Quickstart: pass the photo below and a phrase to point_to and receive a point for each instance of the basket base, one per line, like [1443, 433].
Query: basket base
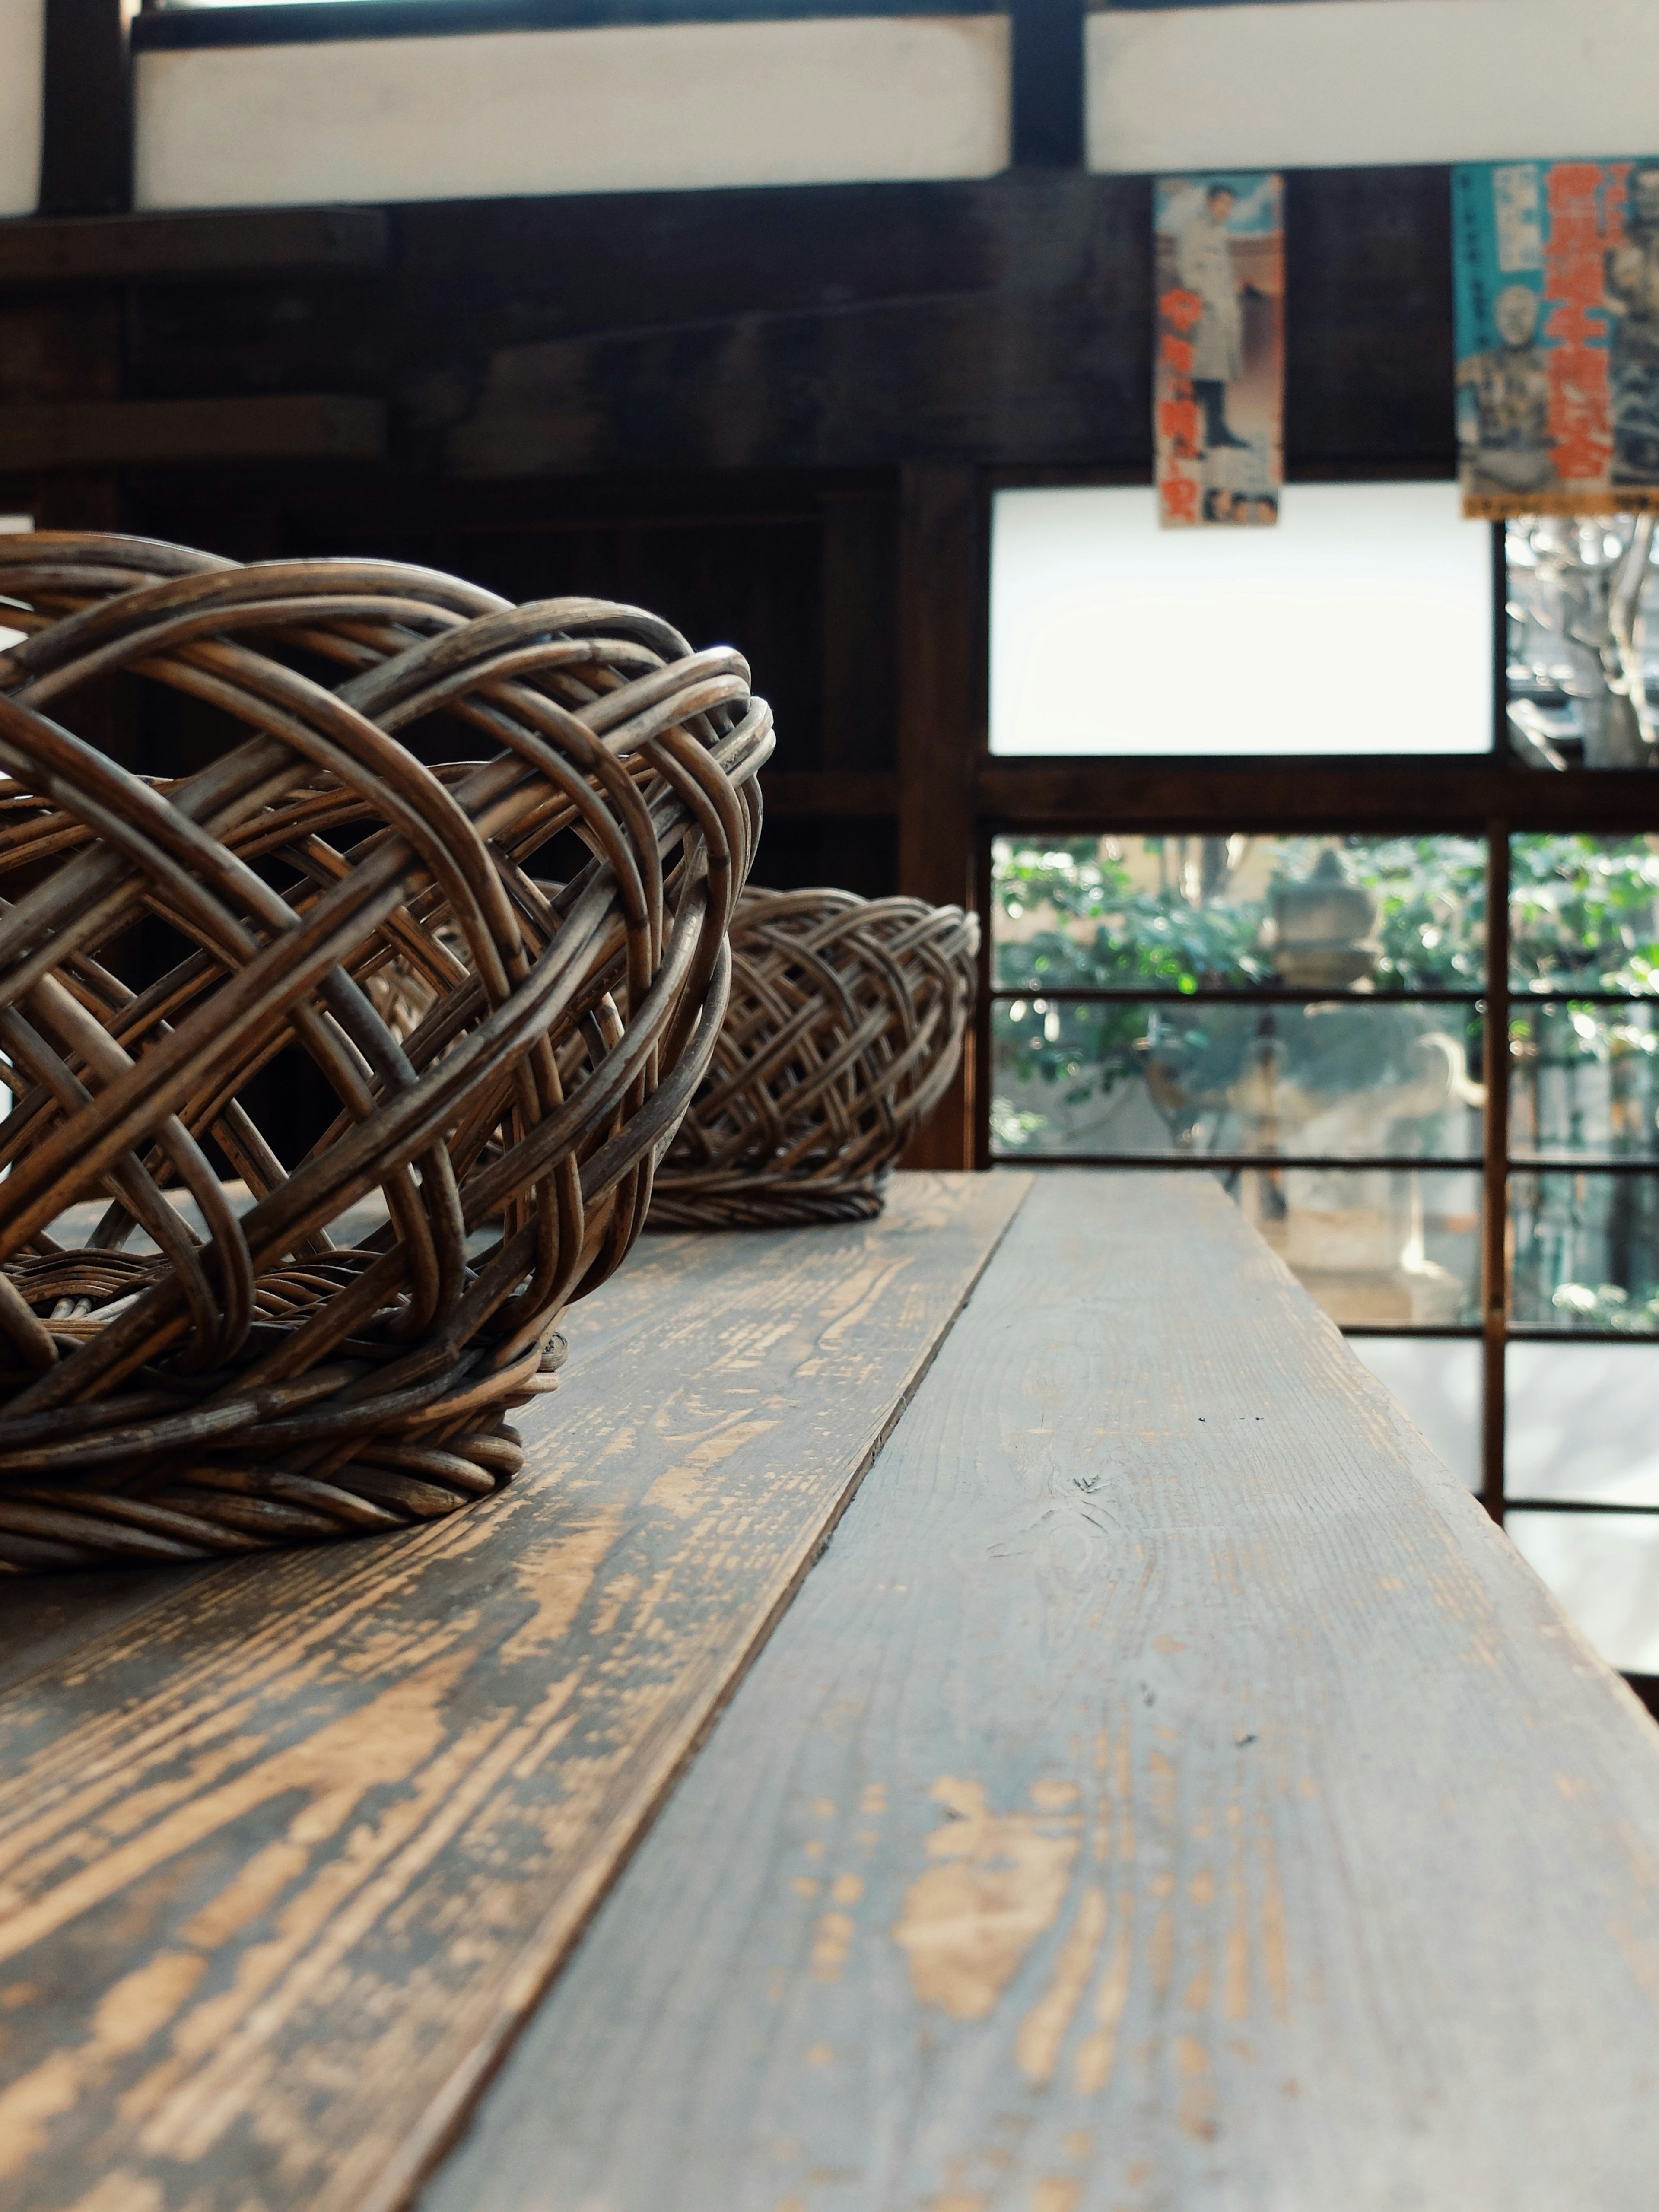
[195, 1507]
[782, 1205]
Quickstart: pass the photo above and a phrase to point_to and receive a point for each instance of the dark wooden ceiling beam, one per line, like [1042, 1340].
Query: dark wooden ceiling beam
[137, 433]
[157, 248]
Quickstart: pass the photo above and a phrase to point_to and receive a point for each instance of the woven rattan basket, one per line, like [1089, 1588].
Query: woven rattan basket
[165, 1394]
[843, 1033]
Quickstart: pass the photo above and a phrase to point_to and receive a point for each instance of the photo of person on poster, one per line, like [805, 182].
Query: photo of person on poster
[1219, 374]
[1632, 285]
[1204, 263]
[1504, 402]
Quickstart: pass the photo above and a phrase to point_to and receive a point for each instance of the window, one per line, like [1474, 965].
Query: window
[1306, 1019]
[1582, 649]
[1362, 624]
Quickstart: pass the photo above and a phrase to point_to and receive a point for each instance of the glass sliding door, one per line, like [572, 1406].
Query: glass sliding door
[1308, 1020]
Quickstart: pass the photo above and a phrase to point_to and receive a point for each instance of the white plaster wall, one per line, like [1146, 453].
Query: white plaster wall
[20, 47]
[1337, 82]
[634, 107]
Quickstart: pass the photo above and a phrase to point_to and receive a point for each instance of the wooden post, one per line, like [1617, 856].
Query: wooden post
[1495, 1210]
[86, 143]
[939, 596]
[1047, 84]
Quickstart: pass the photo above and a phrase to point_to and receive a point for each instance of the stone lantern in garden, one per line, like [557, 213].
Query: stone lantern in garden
[1323, 928]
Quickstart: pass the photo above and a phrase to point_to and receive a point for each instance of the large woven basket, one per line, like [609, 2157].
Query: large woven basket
[167, 1396]
[843, 1033]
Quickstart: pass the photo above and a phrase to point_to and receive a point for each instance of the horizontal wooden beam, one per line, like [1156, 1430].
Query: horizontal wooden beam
[309, 23]
[136, 432]
[1194, 795]
[97, 249]
[830, 794]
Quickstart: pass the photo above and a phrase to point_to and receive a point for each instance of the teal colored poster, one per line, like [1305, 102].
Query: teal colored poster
[1556, 329]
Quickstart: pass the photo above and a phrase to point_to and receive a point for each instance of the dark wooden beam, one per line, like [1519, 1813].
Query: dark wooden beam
[938, 592]
[1005, 321]
[142, 431]
[1047, 83]
[1196, 795]
[86, 145]
[255, 241]
[847, 797]
[309, 23]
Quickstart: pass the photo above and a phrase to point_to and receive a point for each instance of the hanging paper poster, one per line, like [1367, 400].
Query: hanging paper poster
[1219, 368]
[1557, 271]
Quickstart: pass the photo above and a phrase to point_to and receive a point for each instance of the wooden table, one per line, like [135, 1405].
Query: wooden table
[1167, 1789]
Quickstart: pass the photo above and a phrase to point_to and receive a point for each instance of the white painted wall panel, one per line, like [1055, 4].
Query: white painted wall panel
[629, 108]
[20, 49]
[1340, 82]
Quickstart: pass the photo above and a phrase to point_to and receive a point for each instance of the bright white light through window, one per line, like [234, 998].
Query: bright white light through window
[1362, 623]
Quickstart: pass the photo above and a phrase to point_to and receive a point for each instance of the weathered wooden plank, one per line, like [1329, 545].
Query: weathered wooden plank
[1169, 1791]
[42, 1621]
[284, 1862]
[291, 426]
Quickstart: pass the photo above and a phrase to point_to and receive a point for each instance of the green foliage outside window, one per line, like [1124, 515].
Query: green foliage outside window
[1196, 930]
[1584, 913]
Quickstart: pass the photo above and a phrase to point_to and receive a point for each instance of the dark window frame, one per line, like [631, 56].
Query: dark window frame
[312, 22]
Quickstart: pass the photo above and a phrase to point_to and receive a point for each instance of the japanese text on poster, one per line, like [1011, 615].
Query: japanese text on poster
[1558, 336]
[1219, 369]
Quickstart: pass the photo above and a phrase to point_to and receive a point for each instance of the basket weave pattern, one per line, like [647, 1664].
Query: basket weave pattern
[843, 1033]
[165, 1396]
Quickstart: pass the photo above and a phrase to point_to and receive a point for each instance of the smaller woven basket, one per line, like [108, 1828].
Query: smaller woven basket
[843, 1032]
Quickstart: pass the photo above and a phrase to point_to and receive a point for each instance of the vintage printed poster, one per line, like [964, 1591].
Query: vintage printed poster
[1218, 368]
[1558, 336]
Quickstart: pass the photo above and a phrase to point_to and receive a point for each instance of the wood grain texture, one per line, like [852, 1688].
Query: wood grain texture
[41, 1622]
[1169, 1791]
[285, 1860]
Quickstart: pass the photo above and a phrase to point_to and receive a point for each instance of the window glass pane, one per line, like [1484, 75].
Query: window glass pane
[1584, 913]
[1128, 913]
[1604, 1567]
[1584, 1079]
[1584, 1252]
[1579, 1421]
[1566, 579]
[1436, 1380]
[1338, 1077]
[1362, 623]
[1375, 1247]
